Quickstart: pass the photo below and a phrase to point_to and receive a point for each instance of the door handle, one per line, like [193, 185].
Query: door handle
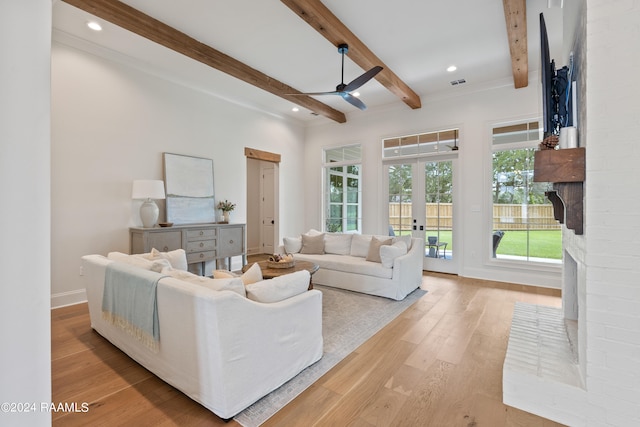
[272, 222]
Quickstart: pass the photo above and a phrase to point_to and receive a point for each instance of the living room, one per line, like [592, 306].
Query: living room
[111, 120]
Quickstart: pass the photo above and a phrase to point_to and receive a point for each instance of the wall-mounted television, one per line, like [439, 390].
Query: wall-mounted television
[556, 89]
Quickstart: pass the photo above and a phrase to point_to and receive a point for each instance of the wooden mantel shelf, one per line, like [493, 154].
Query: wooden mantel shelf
[565, 168]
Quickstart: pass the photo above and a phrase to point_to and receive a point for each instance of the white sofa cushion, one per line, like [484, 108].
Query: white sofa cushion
[279, 288]
[177, 258]
[135, 260]
[374, 248]
[292, 245]
[388, 253]
[159, 265]
[230, 284]
[360, 245]
[337, 243]
[252, 275]
[348, 264]
[405, 238]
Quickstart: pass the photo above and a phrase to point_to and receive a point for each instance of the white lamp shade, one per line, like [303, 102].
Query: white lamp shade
[147, 189]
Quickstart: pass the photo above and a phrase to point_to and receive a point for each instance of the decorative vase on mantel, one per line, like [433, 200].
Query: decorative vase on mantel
[225, 216]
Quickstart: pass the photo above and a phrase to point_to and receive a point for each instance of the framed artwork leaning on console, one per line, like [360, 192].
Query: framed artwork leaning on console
[190, 197]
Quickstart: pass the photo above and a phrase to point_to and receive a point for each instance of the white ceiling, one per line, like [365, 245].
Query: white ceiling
[416, 39]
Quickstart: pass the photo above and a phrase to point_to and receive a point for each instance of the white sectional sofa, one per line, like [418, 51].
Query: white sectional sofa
[219, 347]
[358, 262]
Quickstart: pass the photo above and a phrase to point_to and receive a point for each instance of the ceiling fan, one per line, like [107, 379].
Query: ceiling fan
[454, 147]
[344, 89]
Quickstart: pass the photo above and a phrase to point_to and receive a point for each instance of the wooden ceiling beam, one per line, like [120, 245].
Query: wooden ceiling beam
[316, 14]
[515, 14]
[131, 19]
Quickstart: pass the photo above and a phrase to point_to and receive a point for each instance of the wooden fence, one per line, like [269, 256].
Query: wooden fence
[505, 217]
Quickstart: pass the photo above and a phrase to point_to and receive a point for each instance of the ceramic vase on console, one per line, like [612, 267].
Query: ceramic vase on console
[225, 216]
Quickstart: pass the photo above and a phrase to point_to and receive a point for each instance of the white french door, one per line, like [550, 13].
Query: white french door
[421, 203]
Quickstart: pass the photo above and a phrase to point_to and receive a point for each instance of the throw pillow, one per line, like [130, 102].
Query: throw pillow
[337, 243]
[360, 245]
[388, 253]
[252, 275]
[160, 264]
[405, 238]
[177, 258]
[313, 232]
[374, 249]
[279, 288]
[312, 244]
[233, 285]
[223, 274]
[292, 245]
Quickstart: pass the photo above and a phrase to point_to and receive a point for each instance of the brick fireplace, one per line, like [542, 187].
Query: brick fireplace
[580, 365]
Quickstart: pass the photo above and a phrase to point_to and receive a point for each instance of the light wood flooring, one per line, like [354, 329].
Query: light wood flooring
[437, 364]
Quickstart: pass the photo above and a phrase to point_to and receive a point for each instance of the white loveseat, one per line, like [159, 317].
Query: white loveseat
[349, 261]
[218, 347]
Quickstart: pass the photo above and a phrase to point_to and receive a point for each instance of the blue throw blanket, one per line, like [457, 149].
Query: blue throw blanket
[129, 301]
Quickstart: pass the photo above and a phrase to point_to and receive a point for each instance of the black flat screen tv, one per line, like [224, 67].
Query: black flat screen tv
[556, 89]
[547, 76]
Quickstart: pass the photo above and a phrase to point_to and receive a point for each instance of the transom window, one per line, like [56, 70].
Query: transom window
[343, 189]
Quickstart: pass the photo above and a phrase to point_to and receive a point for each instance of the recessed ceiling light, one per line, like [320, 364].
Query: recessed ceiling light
[452, 68]
[356, 94]
[94, 26]
[294, 109]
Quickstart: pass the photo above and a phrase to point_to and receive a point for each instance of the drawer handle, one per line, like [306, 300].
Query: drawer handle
[165, 249]
[201, 255]
[201, 245]
[201, 232]
[231, 242]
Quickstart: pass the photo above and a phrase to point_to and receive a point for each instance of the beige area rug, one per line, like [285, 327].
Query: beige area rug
[349, 319]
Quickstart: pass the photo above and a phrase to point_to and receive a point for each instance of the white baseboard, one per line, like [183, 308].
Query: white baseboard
[68, 298]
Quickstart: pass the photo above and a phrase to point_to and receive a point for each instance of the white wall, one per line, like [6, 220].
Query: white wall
[612, 218]
[474, 111]
[25, 358]
[111, 123]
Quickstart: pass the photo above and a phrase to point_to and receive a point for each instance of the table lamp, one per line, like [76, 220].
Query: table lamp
[147, 190]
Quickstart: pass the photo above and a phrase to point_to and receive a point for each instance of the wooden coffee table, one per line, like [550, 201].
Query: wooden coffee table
[270, 273]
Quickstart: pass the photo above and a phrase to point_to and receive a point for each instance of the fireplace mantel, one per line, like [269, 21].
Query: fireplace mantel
[565, 168]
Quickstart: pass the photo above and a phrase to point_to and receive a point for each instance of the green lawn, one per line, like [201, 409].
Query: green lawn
[542, 243]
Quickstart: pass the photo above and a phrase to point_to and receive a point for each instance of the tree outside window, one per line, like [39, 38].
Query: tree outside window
[343, 191]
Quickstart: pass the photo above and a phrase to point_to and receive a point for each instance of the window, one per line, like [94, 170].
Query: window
[524, 227]
[343, 189]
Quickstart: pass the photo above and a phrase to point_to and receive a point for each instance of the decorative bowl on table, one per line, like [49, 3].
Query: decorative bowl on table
[281, 261]
[165, 224]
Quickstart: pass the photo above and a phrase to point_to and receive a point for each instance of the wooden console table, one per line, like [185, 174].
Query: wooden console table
[202, 242]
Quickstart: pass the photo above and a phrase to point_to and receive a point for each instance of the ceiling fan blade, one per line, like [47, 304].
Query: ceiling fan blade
[359, 81]
[353, 100]
[315, 93]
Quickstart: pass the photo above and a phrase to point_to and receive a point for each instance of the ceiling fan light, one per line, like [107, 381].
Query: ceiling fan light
[356, 94]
